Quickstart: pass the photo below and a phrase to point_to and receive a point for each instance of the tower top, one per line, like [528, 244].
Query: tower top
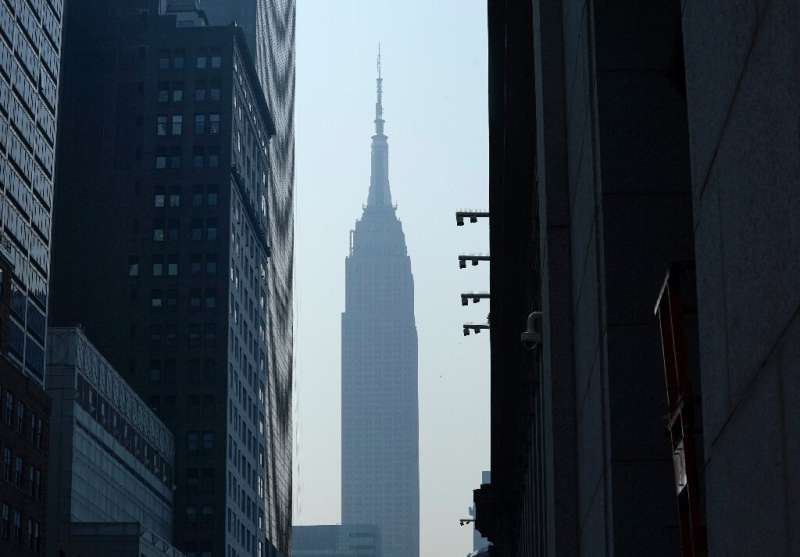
[379, 121]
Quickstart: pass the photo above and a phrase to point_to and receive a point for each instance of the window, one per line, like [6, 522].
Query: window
[215, 92]
[161, 159]
[202, 61]
[207, 513]
[211, 265]
[213, 196]
[18, 471]
[208, 440]
[213, 157]
[20, 416]
[192, 478]
[5, 521]
[211, 298]
[177, 60]
[158, 200]
[133, 266]
[158, 265]
[156, 299]
[197, 229]
[211, 229]
[173, 229]
[197, 196]
[7, 459]
[175, 157]
[177, 92]
[161, 125]
[197, 263]
[198, 157]
[213, 124]
[174, 199]
[193, 441]
[163, 92]
[154, 373]
[199, 124]
[177, 124]
[16, 527]
[194, 298]
[163, 60]
[158, 230]
[216, 59]
[191, 514]
[200, 91]
[172, 265]
[172, 299]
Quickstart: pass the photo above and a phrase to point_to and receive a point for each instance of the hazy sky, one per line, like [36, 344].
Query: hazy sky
[434, 68]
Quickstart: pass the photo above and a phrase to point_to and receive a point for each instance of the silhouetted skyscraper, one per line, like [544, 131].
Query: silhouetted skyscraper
[380, 440]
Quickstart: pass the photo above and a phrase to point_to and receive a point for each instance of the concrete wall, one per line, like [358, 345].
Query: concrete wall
[743, 81]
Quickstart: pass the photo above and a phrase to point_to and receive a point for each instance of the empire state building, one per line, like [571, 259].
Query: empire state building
[380, 426]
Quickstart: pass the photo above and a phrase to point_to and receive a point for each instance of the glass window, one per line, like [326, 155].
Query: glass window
[213, 157]
[156, 299]
[211, 298]
[208, 440]
[215, 92]
[211, 265]
[213, 124]
[161, 125]
[163, 60]
[161, 160]
[158, 265]
[216, 60]
[199, 124]
[193, 441]
[177, 124]
[158, 230]
[175, 157]
[172, 265]
[198, 157]
[173, 229]
[197, 229]
[194, 298]
[177, 94]
[178, 58]
[196, 264]
[212, 196]
[197, 196]
[133, 266]
[158, 200]
[200, 91]
[174, 199]
[202, 61]
[163, 92]
[172, 299]
[211, 229]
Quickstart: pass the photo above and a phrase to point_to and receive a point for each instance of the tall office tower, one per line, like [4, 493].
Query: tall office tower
[30, 45]
[269, 27]
[380, 440]
[163, 249]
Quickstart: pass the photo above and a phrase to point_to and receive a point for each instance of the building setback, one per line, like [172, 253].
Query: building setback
[637, 156]
[112, 458]
[380, 439]
[269, 28]
[179, 187]
[352, 540]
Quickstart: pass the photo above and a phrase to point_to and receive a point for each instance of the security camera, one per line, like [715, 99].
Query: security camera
[531, 338]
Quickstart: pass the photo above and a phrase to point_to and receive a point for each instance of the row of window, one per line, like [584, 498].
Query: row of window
[25, 477]
[172, 158]
[12, 529]
[169, 266]
[197, 298]
[21, 418]
[204, 124]
[176, 59]
[203, 91]
[199, 441]
[171, 197]
[169, 229]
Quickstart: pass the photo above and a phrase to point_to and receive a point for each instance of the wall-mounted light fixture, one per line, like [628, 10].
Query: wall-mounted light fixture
[473, 216]
[474, 259]
[475, 297]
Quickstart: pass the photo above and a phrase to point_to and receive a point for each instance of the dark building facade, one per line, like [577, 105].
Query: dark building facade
[635, 156]
[180, 188]
[380, 438]
[269, 27]
[112, 459]
[24, 433]
[336, 540]
[30, 57]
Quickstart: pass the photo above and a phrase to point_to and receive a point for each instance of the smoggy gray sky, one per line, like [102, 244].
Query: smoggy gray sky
[434, 69]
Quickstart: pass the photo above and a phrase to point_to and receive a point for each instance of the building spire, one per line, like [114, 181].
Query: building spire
[379, 194]
[379, 122]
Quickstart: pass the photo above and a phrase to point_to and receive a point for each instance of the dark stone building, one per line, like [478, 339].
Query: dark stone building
[631, 146]
[179, 187]
[380, 416]
[269, 28]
